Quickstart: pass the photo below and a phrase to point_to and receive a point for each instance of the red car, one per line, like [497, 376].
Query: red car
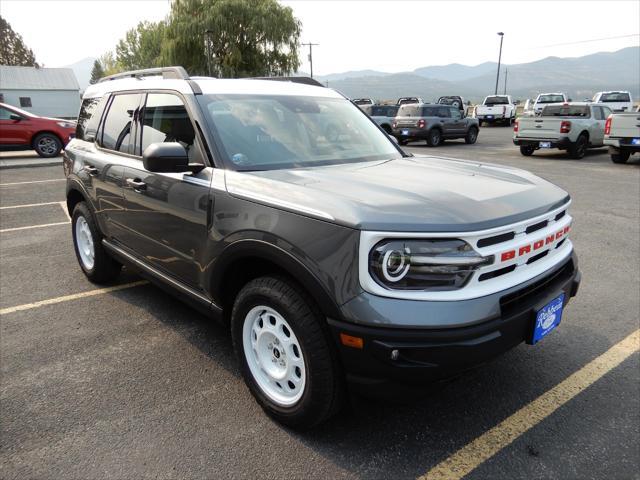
[20, 130]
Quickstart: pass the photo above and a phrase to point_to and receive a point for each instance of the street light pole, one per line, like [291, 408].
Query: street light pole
[499, 59]
[506, 74]
[311, 54]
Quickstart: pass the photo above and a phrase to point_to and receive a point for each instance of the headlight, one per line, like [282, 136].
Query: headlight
[66, 124]
[430, 264]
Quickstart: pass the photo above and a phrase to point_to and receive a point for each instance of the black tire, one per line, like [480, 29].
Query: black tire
[579, 149]
[621, 157]
[527, 150]
[104, 269]
[479, 123]
[47, 145]
[472, 136]
[323, 392]
[434, 137]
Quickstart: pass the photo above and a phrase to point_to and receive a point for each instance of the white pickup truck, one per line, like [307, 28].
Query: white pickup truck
[496, 108]
[622, 134]
[617, 101]
[573, 127]
[546, 99]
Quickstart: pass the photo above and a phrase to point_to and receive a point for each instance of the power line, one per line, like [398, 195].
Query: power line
[588, 41]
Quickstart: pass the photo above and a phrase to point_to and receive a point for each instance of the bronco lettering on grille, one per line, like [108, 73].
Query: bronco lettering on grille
[537, 245]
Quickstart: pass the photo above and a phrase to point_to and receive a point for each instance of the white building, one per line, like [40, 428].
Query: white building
[48, 92]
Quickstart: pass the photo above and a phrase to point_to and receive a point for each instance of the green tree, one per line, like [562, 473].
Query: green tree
[96, 72]
[13, 51]
[109, 64]
[141, 46]
[243, 37]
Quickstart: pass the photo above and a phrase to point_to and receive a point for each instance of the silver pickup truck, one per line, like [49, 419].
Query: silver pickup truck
[572, 126]
[622, 135]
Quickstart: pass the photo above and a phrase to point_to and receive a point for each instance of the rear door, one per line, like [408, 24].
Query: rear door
[166, 213]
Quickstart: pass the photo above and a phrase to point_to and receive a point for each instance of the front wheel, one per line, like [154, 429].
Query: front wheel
[47, 145]
[621, 156]
[94, 260]
[527, 150]
[285, 354]
[472, 136]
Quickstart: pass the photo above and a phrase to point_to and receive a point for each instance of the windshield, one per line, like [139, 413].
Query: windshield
[496, 101]
[566, 111]
[550, 99]
[615, 97]
[264, 132]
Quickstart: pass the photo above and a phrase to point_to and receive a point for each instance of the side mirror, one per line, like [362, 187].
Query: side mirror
[569, 100]
[169, 157]
[15, 116]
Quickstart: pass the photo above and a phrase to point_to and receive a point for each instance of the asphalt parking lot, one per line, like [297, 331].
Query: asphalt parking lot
[130, 383]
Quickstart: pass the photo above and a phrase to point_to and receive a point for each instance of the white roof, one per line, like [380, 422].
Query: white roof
[211, 86]
[31, 78]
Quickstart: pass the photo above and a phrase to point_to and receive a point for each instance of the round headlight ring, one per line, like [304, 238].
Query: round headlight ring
[395, 265]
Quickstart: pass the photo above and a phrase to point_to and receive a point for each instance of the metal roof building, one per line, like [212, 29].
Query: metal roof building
[49, 92]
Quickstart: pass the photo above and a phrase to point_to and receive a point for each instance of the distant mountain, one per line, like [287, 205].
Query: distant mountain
[455, 72]
[579, 77]
[82, 69]
[352, 74]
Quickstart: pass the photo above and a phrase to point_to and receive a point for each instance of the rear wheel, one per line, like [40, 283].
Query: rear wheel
[579, 149]
[621, 156]
[47, 145]
[94, 260]
[472, 135]
[527, 150]
[285, 354]
[434, 137]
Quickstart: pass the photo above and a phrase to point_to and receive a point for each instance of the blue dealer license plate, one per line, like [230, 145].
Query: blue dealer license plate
[545, 144]
[405, 132]
[547, 318]
[635, 141]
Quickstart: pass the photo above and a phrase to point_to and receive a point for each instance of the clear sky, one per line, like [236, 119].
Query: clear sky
[386, 35]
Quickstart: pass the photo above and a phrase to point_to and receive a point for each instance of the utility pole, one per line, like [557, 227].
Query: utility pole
[506, 74]
[207, 37]
[499, 59]
[311, 45]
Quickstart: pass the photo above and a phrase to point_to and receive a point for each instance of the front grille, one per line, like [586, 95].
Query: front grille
[503, 237]
[537, 226]
[496, 273]
[527, 296]
[537, 257]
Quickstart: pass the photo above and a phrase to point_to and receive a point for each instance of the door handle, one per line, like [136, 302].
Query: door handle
[136, 184]
[93, 171]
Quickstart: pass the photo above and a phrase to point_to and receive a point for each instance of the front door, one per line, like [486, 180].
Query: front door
[166, 213]
[13, 132]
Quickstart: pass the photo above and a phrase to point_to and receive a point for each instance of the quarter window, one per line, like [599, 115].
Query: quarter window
[118, 127]
[89, 118]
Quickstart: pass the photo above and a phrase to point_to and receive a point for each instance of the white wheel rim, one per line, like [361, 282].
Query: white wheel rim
[84, 242]
[274, 355]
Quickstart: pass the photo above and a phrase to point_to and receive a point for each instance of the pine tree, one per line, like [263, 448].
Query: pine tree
[96, 72]
[13, 51]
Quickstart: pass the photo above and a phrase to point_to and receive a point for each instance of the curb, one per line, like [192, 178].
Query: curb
[31, 164]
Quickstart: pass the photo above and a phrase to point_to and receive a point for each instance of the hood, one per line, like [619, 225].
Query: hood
[414, 194]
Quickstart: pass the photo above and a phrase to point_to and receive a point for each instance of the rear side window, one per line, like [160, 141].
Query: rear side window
[89, 118]
[597, 113]
[117, 132]
[165, 119]
[444, 112]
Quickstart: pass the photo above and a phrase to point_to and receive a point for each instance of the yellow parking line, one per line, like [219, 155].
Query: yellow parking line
[67, 298]
[491, 442]
[14, 229]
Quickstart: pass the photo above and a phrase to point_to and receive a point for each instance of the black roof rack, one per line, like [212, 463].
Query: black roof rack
[303, 80]
[178, 73]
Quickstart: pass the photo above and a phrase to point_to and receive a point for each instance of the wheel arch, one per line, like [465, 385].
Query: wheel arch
[40, 132]
[75, 195]
[248, 259]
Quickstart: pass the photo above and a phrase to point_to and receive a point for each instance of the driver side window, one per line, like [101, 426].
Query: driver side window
[5, 114]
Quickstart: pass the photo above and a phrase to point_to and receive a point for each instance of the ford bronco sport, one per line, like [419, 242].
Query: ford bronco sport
[337, 261]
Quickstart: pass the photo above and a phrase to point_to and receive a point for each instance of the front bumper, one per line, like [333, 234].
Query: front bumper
[561, 144]
[395, 359]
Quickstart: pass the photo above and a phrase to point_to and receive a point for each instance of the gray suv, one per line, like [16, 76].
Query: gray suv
[337, 261]
[434, 123]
